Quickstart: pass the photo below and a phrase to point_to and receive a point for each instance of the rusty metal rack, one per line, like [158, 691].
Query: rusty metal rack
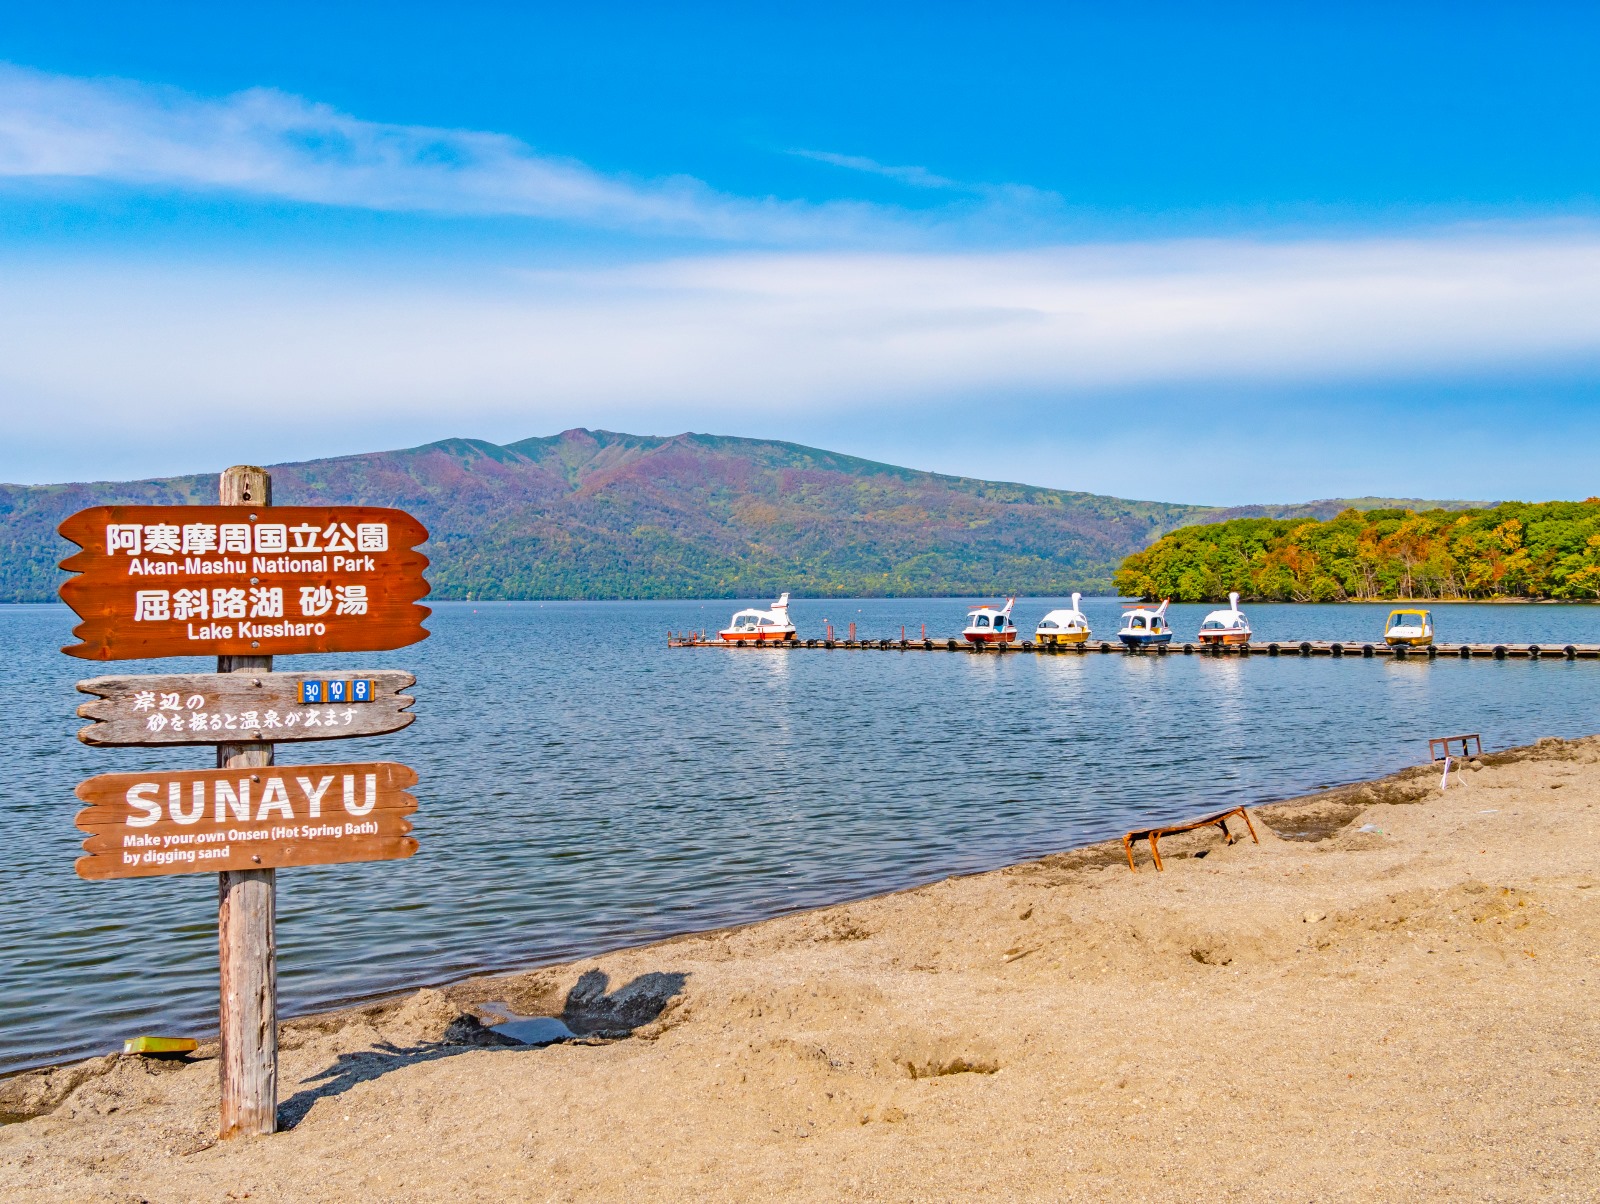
[1154, 835]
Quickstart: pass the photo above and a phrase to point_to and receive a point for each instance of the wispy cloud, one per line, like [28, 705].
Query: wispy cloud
[134, 370]
[917, 177]
[820, 331]
[271, 144]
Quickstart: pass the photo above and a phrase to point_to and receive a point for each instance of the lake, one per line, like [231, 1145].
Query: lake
[583, 787]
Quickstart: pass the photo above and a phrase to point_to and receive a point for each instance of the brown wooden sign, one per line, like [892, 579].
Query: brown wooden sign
[202, 820]
[240, 707]
[243, 580]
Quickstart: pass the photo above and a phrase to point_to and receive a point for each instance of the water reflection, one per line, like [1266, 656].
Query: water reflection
[1226, 681]
[579, 794]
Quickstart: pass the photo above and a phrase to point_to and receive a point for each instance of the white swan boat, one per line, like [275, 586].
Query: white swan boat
[1068, 626]
[1226, 626]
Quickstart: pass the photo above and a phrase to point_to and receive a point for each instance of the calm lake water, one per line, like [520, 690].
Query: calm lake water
[583, 787]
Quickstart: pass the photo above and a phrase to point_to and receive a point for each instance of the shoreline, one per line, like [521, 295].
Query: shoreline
[1306, 1017]
[1332, 802]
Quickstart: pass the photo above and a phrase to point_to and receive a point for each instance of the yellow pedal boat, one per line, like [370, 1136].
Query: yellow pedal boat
[1410, 627]
[1067, 626]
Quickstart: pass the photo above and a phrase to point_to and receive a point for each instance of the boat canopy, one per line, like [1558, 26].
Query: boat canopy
[988, 618]
[1410, 618]
[1063, 620]
[984, 616]
[1135, 616]
[1231, 619]
[1070, 618]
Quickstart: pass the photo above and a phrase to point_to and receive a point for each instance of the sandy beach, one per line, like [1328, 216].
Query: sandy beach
[1390, 997]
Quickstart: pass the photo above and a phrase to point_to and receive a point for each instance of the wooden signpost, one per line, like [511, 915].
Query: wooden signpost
[244, 581]
[194, 820]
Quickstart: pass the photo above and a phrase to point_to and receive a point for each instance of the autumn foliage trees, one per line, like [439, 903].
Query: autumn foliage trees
[1514, 550]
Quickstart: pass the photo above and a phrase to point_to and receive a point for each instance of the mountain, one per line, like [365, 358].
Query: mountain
[1332, 507]
[594, 514]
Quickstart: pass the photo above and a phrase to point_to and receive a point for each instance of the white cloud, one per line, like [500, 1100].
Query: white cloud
[271, 144]
[917, 177]
[825, 333]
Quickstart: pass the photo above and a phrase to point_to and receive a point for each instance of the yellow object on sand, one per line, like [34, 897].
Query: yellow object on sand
[159, 1045]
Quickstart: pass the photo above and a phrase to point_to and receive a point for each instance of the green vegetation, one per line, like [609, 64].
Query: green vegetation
[1512, 550]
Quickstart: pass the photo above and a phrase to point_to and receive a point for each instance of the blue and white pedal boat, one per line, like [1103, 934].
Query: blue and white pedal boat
[1143, 627]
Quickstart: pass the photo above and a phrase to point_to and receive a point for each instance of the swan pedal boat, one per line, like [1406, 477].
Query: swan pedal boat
[989, 625]
[1143, 627]
[1067, 626]
[757, 626]
[1226, 626]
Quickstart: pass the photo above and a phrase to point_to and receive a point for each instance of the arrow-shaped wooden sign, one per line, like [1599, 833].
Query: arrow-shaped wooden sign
[238, 708]
[202, 820]
[243, 580]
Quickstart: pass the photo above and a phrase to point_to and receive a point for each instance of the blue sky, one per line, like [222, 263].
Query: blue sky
[1219, 253]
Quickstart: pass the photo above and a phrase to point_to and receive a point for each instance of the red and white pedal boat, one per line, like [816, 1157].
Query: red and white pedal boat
[988, 625]
[760, 626]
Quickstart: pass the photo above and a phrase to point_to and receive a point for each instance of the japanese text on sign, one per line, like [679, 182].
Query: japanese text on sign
[200, 539]
[165, 580]
[226, 708]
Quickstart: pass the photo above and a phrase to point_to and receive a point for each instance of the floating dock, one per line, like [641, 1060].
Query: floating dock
[1330, 648]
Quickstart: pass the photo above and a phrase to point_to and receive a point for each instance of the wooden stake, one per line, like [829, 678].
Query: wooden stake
[247, 919]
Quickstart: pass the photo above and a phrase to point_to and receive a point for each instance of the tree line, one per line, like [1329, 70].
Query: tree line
[1513, 550]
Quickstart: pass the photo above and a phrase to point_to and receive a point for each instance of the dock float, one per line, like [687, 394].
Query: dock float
[1329, 648]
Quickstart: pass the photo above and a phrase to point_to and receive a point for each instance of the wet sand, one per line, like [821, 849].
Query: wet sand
[1407, 1012]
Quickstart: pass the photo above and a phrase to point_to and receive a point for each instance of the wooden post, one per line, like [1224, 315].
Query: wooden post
[247, 919]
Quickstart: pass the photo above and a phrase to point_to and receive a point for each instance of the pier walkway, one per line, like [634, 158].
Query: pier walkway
[1330, 648]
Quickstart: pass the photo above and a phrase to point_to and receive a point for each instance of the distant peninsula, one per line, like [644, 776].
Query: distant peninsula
[597, 514]
[1512, 550]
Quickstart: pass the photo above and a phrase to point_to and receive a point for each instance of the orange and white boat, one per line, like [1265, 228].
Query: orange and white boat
[1226, 626]
[988, 625]
[760, 626]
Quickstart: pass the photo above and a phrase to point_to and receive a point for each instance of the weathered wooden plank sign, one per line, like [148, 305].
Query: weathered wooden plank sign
[236, 708]
[249, 818]
[251, 580]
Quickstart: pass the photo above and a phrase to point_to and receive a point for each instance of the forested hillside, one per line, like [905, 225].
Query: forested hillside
[1512, 550]
[593, 514]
